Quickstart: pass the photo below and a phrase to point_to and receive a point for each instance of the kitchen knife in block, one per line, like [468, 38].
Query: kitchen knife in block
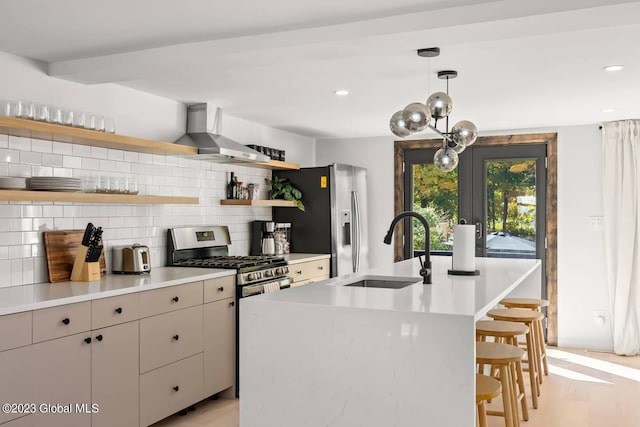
[60, 250]
[84, 271]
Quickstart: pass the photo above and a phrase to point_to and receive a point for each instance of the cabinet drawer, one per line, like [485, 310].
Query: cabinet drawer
[115, 310]
[217, 289]
[171, 298]
[169, 337]
[56, 322]
[170, 389]
[307, 270]
[16, 374]
[15, 330]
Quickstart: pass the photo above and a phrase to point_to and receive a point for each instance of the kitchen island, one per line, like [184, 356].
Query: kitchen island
[327, 354]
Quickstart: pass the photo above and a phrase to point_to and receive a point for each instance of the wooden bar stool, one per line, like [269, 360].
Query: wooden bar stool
[506, 332]
[535, 305]
[504, 356]
[486, 389]
[528, 317]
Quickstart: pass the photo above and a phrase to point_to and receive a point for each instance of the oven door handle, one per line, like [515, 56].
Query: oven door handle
[251, 290]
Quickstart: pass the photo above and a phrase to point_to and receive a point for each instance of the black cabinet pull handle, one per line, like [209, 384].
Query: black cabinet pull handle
[176, 388]
[119, 310]
[232, 303]
[66, 321]
[299, 272]
[175, 299]
[221, 288]
[321, 267]
[176, 337]
[87, 340]
[99, 337]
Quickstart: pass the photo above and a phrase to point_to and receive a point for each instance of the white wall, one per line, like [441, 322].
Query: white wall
[137, 114]
[582, 287]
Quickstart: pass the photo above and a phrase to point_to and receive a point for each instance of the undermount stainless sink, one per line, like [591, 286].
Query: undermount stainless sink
[390, 283]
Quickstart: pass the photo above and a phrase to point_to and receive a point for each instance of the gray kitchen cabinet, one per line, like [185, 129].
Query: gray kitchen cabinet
[114, 375]
[219, 346]
[62, 376]
[304, 273]
[16, 377]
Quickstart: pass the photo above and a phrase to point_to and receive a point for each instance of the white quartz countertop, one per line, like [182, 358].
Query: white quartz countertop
[455, 295]
[298, 258]
[41, 295]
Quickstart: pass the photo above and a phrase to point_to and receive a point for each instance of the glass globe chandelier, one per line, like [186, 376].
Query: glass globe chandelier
[417, 117]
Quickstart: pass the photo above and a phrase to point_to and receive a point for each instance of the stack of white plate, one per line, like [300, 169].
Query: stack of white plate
[54, 183]
[13, 183]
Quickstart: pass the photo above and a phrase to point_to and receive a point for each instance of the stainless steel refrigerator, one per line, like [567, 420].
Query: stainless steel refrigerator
[335, 217]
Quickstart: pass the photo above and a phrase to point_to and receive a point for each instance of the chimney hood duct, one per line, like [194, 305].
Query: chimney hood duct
[203, 132]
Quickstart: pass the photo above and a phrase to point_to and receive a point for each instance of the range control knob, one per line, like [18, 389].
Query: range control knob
[285, 270]
[251, 277]
[268, 273]
[279, 270]
[259, 275]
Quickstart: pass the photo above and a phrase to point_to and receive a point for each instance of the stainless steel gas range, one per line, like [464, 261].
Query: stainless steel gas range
[208, 247]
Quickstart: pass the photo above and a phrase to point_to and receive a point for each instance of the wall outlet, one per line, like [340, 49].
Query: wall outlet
[595, 223]
[600, 317]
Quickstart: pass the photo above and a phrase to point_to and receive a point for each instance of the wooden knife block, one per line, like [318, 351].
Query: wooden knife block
[84, 271]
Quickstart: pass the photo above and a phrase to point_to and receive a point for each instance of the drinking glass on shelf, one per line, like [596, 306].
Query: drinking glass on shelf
[99, 123]
[24, 109]
[79, 119]
[5, 109]
[109, 124]
[90, 121]
[40, 112]
[133, 185]
[54, 114]
[89, 184]
[66, 117]
[104, 185]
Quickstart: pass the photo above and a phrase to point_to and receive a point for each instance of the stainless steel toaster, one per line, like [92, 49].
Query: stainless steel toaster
[132, 259]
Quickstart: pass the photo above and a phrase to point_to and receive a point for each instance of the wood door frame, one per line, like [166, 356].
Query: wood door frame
[551, 141]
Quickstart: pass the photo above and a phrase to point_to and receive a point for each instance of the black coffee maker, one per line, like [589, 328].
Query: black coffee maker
[258, 231]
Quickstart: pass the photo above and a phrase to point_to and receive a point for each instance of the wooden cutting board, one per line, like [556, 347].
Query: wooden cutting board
[60, 248]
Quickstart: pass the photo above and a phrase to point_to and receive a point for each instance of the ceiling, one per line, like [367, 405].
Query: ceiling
[521, 64]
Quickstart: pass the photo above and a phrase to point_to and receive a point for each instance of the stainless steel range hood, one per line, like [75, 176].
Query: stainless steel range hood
[203, 132]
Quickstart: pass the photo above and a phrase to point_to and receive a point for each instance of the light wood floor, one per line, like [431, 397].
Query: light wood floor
[605, 393]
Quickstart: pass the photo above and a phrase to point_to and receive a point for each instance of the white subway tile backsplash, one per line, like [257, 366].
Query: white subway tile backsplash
[41, 171]
[23, 222]
[130, 156]
[52, 160]
[4, 141]
[99, 153]
[63, 172]
[115, 155]
[19, 143]
[16, 271]
[72, 162]
[64, 148]
[18, 169]
[41, 146]
[107, 165]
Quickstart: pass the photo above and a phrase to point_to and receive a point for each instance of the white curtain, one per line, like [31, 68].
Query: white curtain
[621, 165]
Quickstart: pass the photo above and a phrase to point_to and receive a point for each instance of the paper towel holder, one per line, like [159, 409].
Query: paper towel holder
[463, 272]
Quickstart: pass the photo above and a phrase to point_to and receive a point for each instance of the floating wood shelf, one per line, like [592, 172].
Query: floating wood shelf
[55, 196]
[73, 135]
[273, 165]
[262, 203]
[51, 132]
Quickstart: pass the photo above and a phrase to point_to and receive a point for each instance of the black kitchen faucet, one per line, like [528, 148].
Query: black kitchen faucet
[425, 270]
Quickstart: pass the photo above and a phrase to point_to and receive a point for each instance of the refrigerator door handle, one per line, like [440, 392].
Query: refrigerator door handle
[355, 247]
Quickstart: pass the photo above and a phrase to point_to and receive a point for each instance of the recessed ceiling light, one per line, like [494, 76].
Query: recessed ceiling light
[608, 110]
[341, 92]
[613, 67]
